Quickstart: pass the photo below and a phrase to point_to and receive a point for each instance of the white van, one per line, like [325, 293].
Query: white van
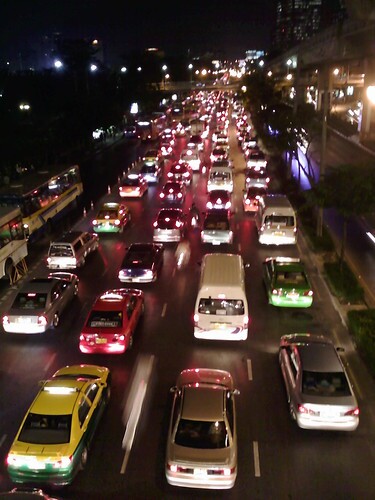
[221, 310]
[220, 178]
[276, 221]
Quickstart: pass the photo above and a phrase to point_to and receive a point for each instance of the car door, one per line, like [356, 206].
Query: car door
[132, 314]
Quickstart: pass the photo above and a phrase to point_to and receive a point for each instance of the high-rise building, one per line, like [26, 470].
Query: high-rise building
[299, 20]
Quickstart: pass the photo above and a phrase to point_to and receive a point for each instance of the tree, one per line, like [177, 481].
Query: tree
[350, 190]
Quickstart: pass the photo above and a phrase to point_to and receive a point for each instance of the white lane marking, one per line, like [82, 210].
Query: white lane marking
[256, 459]
[2, 440]
[51, 360]
[164, 309]
[249, 370]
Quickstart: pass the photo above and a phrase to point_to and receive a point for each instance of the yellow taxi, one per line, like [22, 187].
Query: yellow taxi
[51, 446]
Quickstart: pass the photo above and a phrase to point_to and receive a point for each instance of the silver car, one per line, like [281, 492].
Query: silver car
[319, 393]
[216, 228]
[202, 437]
[169, 225]
[40, 302]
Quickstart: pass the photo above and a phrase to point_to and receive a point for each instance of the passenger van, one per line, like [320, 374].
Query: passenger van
[71, 250]
[221, 309]
[276, 221]
[220, 178]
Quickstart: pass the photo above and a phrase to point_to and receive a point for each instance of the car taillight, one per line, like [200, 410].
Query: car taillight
[353, 412]
[228, 205]
[169, 174]
[308, 293]
[179, 195]
[117, 222]
[245, 321]
[247, 201]
[42, 321]
[196, 319]
[209, 205]
[276, 291]
[155, 224]
[5, 320]
[178, 223]
[162, 195]
[94, 222]
[306, 410]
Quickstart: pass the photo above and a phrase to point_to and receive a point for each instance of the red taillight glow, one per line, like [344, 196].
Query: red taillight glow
[196, 318]
[162, 195]
[308, 293]
[354, 412]
[42, 321]
[155, 224]
[95, 221]
[5, 320]
[117, 222]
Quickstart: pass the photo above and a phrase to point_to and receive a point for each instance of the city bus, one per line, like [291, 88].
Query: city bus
[43, 196]
[150, 127]
[13, 244]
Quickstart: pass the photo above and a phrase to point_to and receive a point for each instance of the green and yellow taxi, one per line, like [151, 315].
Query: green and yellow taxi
[286, 282]
[52, 444]
[111, 218]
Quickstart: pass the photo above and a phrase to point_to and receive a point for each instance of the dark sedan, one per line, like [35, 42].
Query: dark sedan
[142, 263]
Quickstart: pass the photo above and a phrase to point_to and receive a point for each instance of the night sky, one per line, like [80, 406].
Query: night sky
[204, 25]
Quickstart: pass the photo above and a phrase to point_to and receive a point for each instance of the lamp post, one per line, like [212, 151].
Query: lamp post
[164, 69]
[190, 67]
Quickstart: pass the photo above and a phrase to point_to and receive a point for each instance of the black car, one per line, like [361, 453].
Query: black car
[142, 263]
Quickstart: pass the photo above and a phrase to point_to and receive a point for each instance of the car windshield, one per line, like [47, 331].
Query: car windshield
[222, 307]
[279, 220]
[46, 429]
[61, 251]
[105, 319]
[326, 384]
[30, 301]
[202, 435]
[291, 278]
[109, 213]
[130, 181]
[219, 176]
[148, 169]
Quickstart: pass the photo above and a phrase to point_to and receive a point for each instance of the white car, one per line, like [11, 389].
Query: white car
[192, 157]
[319, 392]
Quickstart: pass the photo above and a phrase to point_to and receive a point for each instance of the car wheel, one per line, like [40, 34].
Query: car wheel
[107, 394]
[76, 289]
[56, 320]
[83, 459]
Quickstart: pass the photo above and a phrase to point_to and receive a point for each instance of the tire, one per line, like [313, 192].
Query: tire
[83, 459]
[75, 289]
[291, 411]
[56, 320]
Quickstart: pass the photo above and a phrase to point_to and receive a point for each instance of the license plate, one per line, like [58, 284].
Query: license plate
[101, 340]
[24, 320]
[38, 465]
[292, 296]
[279, 233]
[200, 472]
[219, 326]
[329, 413]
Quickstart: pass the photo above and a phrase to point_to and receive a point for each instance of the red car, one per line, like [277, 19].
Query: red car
[219, 199]
[173, 192]
[181, 172]
[111, 323]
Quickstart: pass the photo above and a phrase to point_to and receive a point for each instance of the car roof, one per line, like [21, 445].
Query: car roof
[203, 402]
[47, 403]
[319, 357]
[39, 285]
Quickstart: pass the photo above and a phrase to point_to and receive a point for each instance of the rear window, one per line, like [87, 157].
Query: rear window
[228, 307]
[30, 301]
[46, 429]
[330, 384]
[105, 319]
[61, 250]
[109, 213]
[216, 225]
[202, 434]
[279, 220]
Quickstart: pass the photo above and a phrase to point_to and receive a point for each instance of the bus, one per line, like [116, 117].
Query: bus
[43, 196]
[13, 244]
[150, 127]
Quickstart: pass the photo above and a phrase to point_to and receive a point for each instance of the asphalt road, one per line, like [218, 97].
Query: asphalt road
[277, 460]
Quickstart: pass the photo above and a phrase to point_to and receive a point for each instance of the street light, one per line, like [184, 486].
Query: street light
[164, 69]
[93, 68]
[124, 69]
[190, 67]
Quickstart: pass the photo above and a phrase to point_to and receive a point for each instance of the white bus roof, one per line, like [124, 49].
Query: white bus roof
[8, 213]
[222, 270]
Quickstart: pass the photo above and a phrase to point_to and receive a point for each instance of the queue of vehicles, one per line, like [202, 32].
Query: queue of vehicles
[201, 447]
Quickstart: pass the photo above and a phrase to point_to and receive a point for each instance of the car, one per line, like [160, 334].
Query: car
[220, 178]
[219, 153]
[256, 159]
[25, 493]
[130, 132]
[72, 249]
[173, 192]
[201, 449]
[287, 283]
[133, 185]
[180, 172]
[169, 225]
[150, 171]
[112, 217]
[251, 198]
[151, 155]
[111, 323]
[319, 393]
[166, 149]
[52, 443]
[142, 263]
[257, 178]
[222, 141]
[198, 140]
[192, 158]
[219, 199]
[216, 228]
[40, 303]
